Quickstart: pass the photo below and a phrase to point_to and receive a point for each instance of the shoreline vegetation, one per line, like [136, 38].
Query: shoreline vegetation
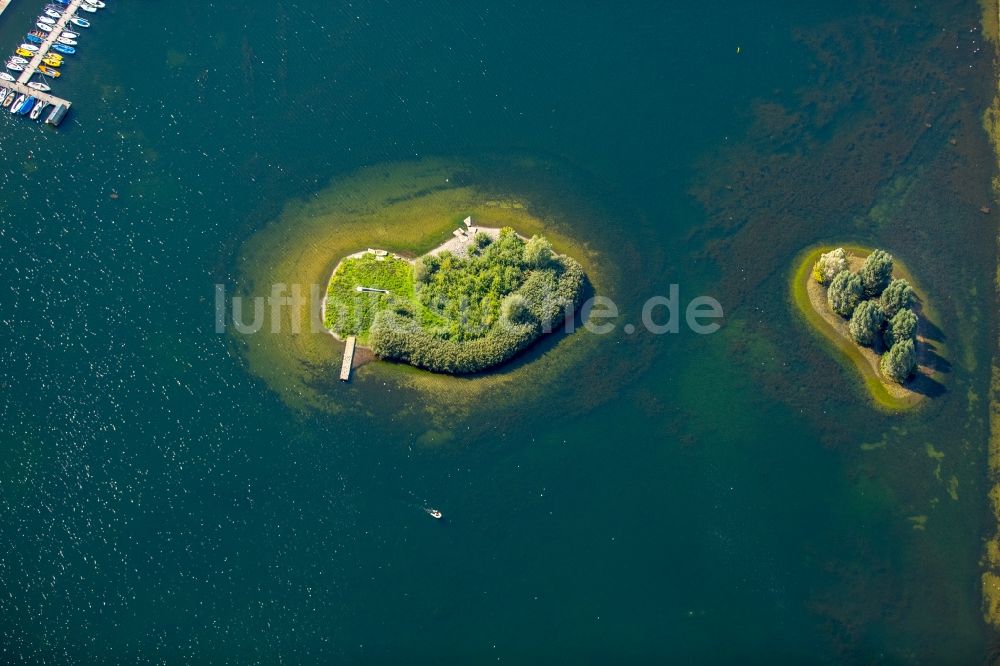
[991, 557]
[469, 304]
[881, 323]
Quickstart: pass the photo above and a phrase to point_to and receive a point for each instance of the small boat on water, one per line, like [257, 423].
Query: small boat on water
[37, 85]
[16, 106]
[19, 61]
[51, 13]
[25, 52]
[3, 95]
[37, 111]
[28, 47]
[15, 67]
[62, 48]
[82, 22]
[48, 71]
[52, 62]
[433, 513]
[26, 108]
[44, 27]
[96, 3]
[10, 99]
[48, 20]
[33, 39]
[70, 34]
[68, 41]
[88, 8]
[52, 56]
[4, 76]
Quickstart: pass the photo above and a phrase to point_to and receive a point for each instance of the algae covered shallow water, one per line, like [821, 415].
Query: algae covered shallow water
[169, 494]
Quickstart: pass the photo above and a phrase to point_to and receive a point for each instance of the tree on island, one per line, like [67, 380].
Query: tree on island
[897, 296]
[424, 267]
[899, 362]
[846, 291]
[830, 264]
[876, 273]
[866, 323]
[902, 327]
[515, 310]
[538, 252]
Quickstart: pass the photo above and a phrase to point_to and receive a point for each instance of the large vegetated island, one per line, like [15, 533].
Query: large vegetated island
[464, 307]
[858, 300]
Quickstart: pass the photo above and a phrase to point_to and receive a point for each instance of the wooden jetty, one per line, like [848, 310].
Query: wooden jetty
[61, 106]
[345, 366]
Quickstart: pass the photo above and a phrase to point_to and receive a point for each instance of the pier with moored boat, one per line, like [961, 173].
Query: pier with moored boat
[25, 84]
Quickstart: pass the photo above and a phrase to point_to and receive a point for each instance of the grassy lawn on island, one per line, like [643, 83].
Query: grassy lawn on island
[350, 312]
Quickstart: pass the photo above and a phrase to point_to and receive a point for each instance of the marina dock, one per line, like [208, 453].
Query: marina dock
[60, 106]
[345, 366]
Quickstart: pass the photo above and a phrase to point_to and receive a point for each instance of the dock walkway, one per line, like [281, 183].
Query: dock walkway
[345, 366]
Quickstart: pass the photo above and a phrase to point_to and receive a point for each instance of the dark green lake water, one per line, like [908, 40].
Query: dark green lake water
[736, 499]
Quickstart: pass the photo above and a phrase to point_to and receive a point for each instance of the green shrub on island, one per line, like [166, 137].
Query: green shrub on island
[899, 363]
[876, 273]
[845, 293]
[462, 314]
[902, 326]
[829, 266]
[866, 323]
[482, 239]
[897, 296]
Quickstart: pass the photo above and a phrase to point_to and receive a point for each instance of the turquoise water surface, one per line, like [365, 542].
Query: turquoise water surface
[725, 497]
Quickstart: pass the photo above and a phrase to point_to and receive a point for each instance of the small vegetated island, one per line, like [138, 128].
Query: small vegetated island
[870, 314]
[466, 306]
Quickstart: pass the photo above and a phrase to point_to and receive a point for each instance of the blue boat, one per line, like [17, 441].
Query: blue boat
[62, 48]
[26, 107]
[33, 39]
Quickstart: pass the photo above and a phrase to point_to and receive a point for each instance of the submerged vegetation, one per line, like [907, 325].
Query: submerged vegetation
[455, 313]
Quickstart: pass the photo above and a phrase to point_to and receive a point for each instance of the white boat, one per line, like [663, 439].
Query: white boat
[63, 39]
[70, 34]
[3, 95]
[88, 8]
[29, 47]
[36, 112]
[53, 13]
[433, 513]
[96, 3]
[47, 19]
[4, 76]
[15, 67]
[44, 27]
[82, 22]
[19, 60]
[16, 106]
[44, 87]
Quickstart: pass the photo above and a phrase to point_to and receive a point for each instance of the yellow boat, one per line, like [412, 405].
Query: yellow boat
[52, 63]
[48, 71]
[53, 56]
[24, 53]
